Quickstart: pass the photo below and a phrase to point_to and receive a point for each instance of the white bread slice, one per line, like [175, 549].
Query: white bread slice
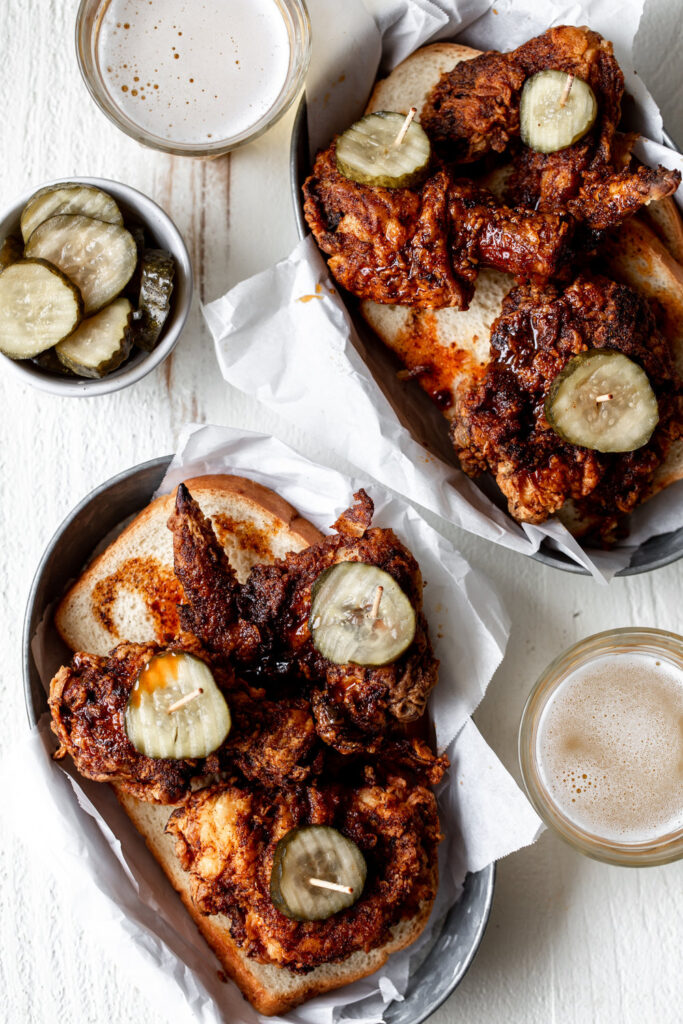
[664, 217]
[130, 591]
[413, 79]
[454, 342]
[269, 988]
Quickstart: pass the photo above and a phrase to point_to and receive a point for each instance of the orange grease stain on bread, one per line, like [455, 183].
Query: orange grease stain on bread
[156, 584]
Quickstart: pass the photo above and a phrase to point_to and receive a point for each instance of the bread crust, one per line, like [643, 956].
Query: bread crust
[419, 72]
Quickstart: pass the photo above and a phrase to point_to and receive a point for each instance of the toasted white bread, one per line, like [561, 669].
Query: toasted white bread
[413, 79]
[254, 525]
[456, 343]
[130, 591]
[269, 988]
[664, 218]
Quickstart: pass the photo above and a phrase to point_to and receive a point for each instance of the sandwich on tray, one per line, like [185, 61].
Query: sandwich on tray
[254, 691]
[501, 238]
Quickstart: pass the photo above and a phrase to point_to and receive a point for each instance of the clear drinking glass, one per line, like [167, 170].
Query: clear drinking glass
[664, 647]
[88, 22]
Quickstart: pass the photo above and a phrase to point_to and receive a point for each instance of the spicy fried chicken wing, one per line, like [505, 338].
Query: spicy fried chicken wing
[423, 247]
[474, 109]
[350, 702]
[501, 424]
[274, 744]
[226, 837]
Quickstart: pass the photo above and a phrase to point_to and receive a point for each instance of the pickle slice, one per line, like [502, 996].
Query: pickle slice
[100, 258]
[157, 269]
[175, 710]
[100, 343]
[367, 152]
[69, 197]
[360, 615]
[314, 854]
[604, 401]
[38, 307]
[556, 110]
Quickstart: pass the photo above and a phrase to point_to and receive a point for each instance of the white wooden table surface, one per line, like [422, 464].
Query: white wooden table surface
[569, 940]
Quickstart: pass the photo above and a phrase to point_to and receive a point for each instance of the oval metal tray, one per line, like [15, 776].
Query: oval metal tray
[70, 548]
[655, 552]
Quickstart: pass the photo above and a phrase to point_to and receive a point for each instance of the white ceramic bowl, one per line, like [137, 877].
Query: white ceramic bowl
[160, 232]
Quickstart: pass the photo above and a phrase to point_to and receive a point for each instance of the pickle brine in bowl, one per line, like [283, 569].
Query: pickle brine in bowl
[95, 286]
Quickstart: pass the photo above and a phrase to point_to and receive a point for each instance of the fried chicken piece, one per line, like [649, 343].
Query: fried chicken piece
[226, 837]
[271, 743]
[501, 426]
[423, 247]
[209, 581]
[275, 604]
[474, 109]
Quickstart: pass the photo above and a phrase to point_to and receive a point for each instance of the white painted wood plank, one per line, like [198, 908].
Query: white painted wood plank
[570, 940]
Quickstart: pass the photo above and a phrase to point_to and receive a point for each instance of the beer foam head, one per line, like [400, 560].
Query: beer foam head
[191, 72]
[610, 748]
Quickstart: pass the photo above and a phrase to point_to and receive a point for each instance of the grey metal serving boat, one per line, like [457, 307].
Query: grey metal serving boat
[102, 511]
[654, 553]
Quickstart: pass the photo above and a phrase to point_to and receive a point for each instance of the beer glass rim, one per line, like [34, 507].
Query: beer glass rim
[659, 642]
[295, 15]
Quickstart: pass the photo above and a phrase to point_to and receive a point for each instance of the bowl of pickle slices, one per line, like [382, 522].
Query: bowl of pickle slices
[95, 286]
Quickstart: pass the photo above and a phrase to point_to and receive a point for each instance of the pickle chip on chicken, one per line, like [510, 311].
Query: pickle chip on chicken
[360, 615]
[556, 110]
[175, 710]
[384, 149]
[316, 873]
[604, 401]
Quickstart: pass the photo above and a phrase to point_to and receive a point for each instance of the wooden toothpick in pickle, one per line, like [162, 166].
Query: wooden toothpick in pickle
[321, 883]
[567, 89]
[187, 699]
[405, 126]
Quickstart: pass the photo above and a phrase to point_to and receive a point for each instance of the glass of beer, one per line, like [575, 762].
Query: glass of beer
[601, 746]
[191, 78]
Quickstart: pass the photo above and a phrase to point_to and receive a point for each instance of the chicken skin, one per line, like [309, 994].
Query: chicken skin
[263, 625]
[226, 837]
[422, 247]
[501, 425]
[475, 109]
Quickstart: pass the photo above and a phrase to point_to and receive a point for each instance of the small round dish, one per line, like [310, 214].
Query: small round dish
[443, 966]
[160, 232]
[298, 30]
[609, 826]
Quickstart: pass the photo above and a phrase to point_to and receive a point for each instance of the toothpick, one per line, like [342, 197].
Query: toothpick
[567, 89]
[324, 884]
[184, 700]
[404, 127]
[604, 398]
[374, 611]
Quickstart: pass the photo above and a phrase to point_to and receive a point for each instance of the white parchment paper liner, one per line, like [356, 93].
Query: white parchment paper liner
[77, 830]
[284, 336]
